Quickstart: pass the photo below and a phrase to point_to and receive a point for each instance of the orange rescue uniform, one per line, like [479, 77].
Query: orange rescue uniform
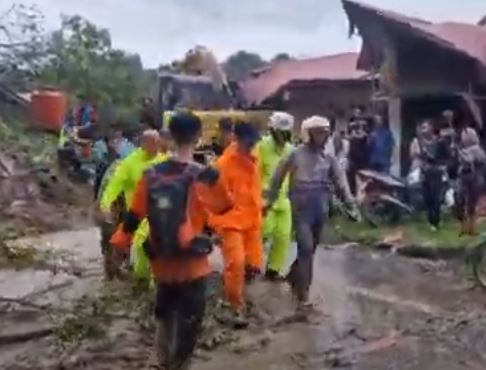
[240, 228]
[204, 199]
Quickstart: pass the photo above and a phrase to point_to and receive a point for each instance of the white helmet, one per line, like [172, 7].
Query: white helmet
[313, 122]
[281, 121]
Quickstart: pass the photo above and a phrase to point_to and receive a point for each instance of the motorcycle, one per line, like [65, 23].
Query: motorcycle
[380, 198]
[75, 159]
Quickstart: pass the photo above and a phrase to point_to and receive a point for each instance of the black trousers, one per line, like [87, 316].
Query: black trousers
[433, 193]
[351, 173]
[468, 196]
[180, 309]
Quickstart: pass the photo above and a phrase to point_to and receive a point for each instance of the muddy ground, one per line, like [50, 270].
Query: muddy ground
[373, 311]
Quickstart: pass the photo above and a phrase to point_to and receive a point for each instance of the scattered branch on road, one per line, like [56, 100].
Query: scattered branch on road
[24, 302]
[49, 289]
[12, 338]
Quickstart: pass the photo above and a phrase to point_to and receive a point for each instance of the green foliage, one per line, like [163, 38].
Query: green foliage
[408, 232]
[83, 62]
[240, 64]
[281, 57]
[77, 328]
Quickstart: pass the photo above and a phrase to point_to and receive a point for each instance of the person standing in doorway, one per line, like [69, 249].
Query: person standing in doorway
[380, 146]
[358, 150]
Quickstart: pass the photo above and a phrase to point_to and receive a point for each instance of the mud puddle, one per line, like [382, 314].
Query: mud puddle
[372, 311]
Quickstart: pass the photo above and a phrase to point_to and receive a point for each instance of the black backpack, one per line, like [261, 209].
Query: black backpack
[169, 191]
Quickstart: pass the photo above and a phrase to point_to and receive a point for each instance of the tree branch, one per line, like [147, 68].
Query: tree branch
[26, 336]
[13, 45]
[7, 12]
[7, 33]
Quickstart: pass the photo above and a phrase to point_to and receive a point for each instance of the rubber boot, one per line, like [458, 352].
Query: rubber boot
[161, 345]
[273, 276]
[239, 319]
[251, 273]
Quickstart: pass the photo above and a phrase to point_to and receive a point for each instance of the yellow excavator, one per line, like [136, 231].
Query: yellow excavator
[199, 84]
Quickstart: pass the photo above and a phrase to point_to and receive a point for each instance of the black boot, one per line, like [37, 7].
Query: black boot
[273, 276]
[251, 273]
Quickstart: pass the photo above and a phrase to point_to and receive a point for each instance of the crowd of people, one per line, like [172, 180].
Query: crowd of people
[366, 143]
[445, 155]
[163, 211]
[258, 189]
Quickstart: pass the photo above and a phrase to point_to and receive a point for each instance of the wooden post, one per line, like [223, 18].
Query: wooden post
[395, 121]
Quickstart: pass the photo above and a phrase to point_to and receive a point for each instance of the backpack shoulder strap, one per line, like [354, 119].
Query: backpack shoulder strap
[193, 170]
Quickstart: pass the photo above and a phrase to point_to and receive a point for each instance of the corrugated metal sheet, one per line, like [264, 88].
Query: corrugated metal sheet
[468, 39]
[340, 67]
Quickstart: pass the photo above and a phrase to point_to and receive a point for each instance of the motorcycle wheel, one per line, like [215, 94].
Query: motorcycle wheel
[380, 213]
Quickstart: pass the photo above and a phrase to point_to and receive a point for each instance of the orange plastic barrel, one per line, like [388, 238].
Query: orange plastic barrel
[48, 109]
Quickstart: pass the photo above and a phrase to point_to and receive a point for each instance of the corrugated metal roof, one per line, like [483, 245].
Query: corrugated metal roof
[340, 67]
[468, 39]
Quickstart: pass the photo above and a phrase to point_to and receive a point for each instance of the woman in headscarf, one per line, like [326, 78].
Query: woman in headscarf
[472, 160]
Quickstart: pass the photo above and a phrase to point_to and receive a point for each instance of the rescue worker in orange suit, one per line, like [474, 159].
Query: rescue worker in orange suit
[241, 228]
[225, 136]
[177, 247]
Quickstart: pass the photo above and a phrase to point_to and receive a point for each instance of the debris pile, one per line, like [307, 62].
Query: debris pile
[32, 198]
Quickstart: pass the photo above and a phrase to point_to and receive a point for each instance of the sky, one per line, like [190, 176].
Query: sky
[163, 30]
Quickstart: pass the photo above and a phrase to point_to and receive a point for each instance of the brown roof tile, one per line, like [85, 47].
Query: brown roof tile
[330, 68]
[468, 39]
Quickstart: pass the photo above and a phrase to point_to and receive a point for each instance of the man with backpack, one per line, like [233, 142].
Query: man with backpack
[176, 196]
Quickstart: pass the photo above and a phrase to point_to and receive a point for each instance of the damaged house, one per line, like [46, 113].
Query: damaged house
[330, 86]
[424, 68]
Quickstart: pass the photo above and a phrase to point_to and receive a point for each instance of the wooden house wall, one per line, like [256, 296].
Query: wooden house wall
[334, 101]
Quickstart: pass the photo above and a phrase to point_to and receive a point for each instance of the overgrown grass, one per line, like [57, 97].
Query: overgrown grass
[408, 232]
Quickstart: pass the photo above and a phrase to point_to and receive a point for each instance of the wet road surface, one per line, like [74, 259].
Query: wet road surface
[372, 311]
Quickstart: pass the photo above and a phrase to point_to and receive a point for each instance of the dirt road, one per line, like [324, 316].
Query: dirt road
[373, 311]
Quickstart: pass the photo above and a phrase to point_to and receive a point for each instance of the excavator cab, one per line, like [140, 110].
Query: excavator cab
[196, 93]
[199, 84]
